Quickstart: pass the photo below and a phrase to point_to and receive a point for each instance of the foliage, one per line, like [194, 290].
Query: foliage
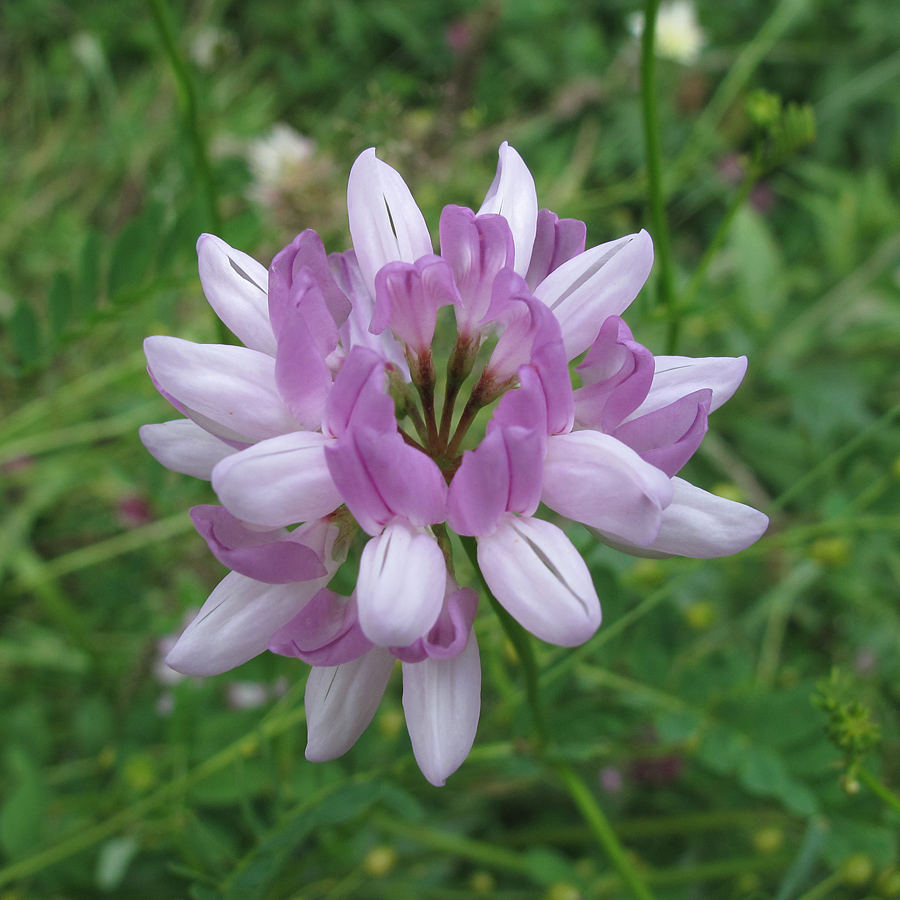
[689, 714]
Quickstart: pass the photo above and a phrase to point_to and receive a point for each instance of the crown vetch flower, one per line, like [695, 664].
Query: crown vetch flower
[327, 424]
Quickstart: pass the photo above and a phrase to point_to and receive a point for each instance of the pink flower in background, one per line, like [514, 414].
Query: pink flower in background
[329, 423]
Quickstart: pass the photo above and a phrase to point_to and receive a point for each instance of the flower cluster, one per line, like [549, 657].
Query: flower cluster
[327, 424]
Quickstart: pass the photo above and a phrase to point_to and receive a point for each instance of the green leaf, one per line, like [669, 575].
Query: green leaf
[23, 811]
[61, 302]
[549, 866]
[25, 332]
[133, 252]
[89, 273]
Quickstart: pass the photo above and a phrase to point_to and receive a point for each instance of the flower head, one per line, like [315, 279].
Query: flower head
[328, 423]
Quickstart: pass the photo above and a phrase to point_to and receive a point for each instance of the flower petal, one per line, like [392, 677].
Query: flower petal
[601, 282]
[235, 285]
[476, 248]
[278, 482]
[512, 195]
[325, 632]
[442, 703]
[341, 701]
[700, 525]
[593, 478]
[385, 223]
[183, 446]
[273, 557]
[556, 241]
[236, 622]
[676, 376]
[533, 569]
[233, 386]
[401, 583]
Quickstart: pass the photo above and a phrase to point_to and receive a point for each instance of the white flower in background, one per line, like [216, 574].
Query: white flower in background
[212, 46]
[276, 160]
[88, 51]
[678, 33]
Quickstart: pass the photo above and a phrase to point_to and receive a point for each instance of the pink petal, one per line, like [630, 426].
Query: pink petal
[449, 634]
[355, 331]
[301, 373]
[235, 286]
[400, 588]
[408, 296]
[667, 438]
[278, 482]
[593, 478]
[700, 525]
[236, 622]
[513, 196]
[307, 251]
[385, 223]
[479, 491]
[341, 701]
[477, 248]
[232, 386]
[183, 446]
[676, 376]
[556, 241]
[616, 373]
[273, 557]
[442, 703]
[325, 632]
[358, 395]
[594, 285]
[532, 568]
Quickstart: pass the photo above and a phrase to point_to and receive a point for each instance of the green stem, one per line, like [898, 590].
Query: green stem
[655, 194]
[601, 829]
[590, 810]
[187, 96]
[801, 485]
[885, 794]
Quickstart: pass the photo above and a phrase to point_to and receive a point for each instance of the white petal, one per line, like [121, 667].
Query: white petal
[595, 479]
[700, 525]
[183, 446]
[236, 622]
[513, 196]
[442, 702]
[236, 286]
[279, 481]
[232, 386]
[533, 569]
[341, 701]
[676, 376]
[385, 223]
[594, 285]
[400, 588]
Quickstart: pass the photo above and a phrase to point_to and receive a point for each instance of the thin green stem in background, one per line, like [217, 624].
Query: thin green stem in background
[884, 793]
[587, 805]
[655, 195]
[187, 96]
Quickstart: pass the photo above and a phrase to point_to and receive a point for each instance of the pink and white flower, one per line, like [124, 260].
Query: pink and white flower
[326, 425]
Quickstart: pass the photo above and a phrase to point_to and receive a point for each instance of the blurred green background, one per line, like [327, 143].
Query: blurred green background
[690, 712]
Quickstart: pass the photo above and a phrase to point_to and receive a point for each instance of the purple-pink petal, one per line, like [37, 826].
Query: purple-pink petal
[408, 296]
[325, 632]
[358, 395]
[273, 557]
[307, 252]
[616, 374]
[556, 241]
[667, 438]
[476, 248]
